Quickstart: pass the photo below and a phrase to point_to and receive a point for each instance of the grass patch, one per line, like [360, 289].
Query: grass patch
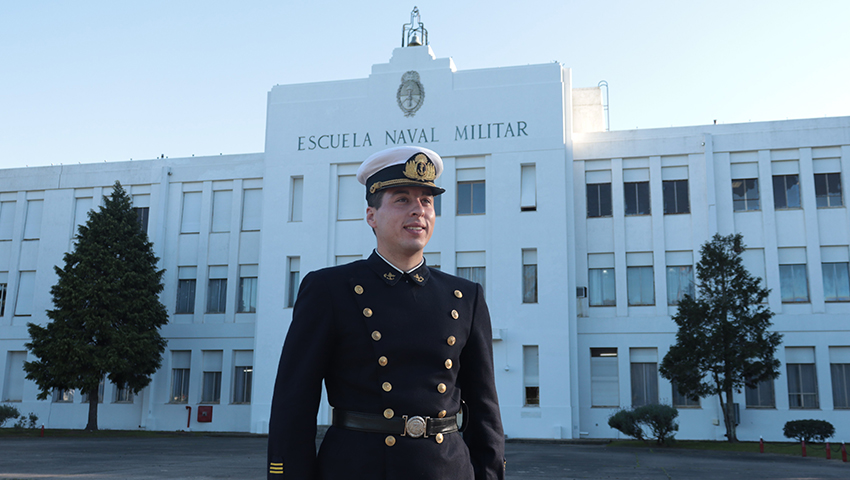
[815, 450]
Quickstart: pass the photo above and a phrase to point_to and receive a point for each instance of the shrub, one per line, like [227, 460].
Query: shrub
[27, 422]
[661, 420]
[8, 412]
[808, 430]
[626, 422]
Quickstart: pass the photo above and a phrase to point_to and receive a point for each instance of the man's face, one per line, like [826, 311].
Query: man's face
[404, 222]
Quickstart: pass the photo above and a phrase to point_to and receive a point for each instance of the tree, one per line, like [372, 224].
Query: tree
[723, 342]
[107, 313]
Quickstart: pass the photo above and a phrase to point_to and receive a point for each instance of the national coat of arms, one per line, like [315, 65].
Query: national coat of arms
[410, 93]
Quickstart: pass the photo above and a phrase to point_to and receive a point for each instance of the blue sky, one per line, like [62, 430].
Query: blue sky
[94, 81]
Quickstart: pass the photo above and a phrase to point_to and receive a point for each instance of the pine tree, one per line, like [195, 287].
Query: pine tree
[107, 313]
[723, 342]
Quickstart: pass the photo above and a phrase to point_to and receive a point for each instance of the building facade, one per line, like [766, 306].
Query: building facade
[583, 240]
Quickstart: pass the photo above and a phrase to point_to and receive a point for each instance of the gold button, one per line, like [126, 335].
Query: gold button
[390, 440]
[388, 413]
[451, 340]
[458, 294]
[382, 361]
[441, 414]
[387, 386]
[367, 312]
[439, 438]
[448, 363]
[455, 314]
[376, 335]
[358, 290]
[440, 388]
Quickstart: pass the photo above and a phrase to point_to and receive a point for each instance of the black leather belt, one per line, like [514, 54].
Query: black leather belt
[405, 426]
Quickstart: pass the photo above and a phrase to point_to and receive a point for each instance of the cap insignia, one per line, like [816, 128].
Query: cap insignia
[420, 168]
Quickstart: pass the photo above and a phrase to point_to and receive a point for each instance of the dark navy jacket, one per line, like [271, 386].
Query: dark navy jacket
[380, 340]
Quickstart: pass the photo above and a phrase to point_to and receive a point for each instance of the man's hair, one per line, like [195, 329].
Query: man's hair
[374, 200]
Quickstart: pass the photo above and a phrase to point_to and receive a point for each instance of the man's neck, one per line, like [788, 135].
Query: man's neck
[403, 263]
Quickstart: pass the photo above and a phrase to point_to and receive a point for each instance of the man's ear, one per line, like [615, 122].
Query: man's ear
[370, 217]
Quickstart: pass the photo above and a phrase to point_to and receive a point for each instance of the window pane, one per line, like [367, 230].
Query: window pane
[793, 283]
[179, 385]
[779, 195]
[217, 295]
[630, 197]
[593, 200]
[680, 400]
[836, 282]
[834, 189]
[602, 287]
[464, 198]
[640, 284]
[820, 190]
[478, 198]
[473, 274]
[605, 199]
[669, 193]
[762, 395]
[293, 288]
[840, 385]
[242, 384]
[792, 188]
[644, 377]
[212, 387]
[529, 284]
[248, 295]
[185, 296]
[680, 281]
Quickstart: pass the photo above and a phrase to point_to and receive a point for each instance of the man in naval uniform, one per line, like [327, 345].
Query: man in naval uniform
[402, 349]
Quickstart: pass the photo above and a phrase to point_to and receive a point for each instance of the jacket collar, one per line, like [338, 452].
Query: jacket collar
[391, 275]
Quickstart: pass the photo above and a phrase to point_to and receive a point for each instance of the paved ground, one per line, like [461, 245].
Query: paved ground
[244, 458]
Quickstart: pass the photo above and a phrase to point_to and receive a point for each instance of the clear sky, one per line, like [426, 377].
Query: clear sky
[93, 81]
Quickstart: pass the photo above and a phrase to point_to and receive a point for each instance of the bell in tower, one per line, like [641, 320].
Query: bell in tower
[413, 34]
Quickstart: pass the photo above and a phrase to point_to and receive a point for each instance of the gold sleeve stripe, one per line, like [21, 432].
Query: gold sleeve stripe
[276, 464]
[276, 470]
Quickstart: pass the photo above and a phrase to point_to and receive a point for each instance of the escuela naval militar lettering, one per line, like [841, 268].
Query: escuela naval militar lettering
[479, 131]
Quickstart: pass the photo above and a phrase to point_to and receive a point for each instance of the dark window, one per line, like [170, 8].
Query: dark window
[828, 190]
[247, 295]
[529, 284]
[179, 385]
[211, 391]
[142, 213]
[242, 384]
[745, 194]
[786, 191]
[802, 386]
[680, 400]
[637, 198]
[762, 396]
[644, 384]
[471, 198]
[599, 200]
[438, 205]
[217, 295]
[294, 278]
[2, 299]
[185, 296]
[840, 385]
[676, 197]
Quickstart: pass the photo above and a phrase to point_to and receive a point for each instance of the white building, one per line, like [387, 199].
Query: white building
[581, 237]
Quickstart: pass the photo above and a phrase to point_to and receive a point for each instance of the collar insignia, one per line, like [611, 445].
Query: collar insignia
[418, 278]
[389, 276]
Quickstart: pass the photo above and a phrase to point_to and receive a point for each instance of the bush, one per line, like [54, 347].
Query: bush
[626, 422]
[808, 430]
[8, 412]
[27, 422]
[661, 420]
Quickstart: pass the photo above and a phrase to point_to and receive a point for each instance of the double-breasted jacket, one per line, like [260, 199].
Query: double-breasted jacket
[389, 344]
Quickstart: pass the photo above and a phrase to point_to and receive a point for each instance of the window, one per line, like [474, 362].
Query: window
[191, 220]
[243, 375]
[438, 205]
[2, 299]
[604, 378]
[186, 289]
[217, 290]
[676, 197]
[222, 206]
[473, 274]
[294, 279]
[180, 363]
[644, 384]
[637, 198]
[840, 385]
[433, 260]
[32, 228]
[828, 190]
[599, 200]
[745, 194]
[602, 288]
[470, 265]
[531, 375]
[142, 214]
[786, 191]
[297, 200]
[640, 285]
[802, 385]
[680, 400]
[247, 289]
[644, 376]
[26, 289]
[528, 188]
[351, 199]
[211, 380]
[793, 283]
[13, 387]
[680, 282]
[836, 282]
[252, 210]
[84, 398]
[471, 198]
[123, 394]
[7, 220]
[762, 396]
[242, 384]
[61, 395]
[529, 276]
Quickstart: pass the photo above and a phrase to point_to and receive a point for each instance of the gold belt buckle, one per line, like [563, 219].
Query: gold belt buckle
[415, 426]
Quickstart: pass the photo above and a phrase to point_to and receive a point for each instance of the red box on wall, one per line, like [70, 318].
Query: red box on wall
[204, 413]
